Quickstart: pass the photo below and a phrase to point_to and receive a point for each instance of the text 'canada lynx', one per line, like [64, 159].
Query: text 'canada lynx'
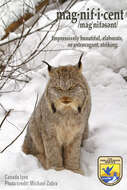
[59, 123]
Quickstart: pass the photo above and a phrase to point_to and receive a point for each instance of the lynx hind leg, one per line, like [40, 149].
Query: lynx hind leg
[85, 134]
[28, 146]
[43, 161]
[35, 148]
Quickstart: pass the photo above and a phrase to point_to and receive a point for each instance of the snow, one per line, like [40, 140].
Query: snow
[111, 5]
[104, 69]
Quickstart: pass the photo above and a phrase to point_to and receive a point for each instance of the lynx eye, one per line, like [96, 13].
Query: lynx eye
[57, 88]
[72, 87]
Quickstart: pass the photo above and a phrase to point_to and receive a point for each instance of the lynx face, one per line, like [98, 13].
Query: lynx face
[65, 90]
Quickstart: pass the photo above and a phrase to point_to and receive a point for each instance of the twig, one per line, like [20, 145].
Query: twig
[15, 138]
[21, 131]
[7, 114]
[3, 108]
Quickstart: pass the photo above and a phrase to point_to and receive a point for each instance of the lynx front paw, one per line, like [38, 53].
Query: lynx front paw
[78, 171]
[58, 168]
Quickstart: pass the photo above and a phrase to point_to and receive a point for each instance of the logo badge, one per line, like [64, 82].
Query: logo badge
[110, 169]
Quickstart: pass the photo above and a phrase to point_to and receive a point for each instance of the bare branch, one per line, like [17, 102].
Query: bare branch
[21, 131]
[14, 61]
[15, 138]
[7, 114]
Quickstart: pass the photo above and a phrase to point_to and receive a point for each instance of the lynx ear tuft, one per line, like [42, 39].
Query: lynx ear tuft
[80, 63]
[49, 66]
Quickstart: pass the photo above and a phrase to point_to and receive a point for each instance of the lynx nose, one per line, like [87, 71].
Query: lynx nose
[66, 100]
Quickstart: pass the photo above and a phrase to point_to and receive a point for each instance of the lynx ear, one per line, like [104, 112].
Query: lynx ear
[49, 66]
[80, 63]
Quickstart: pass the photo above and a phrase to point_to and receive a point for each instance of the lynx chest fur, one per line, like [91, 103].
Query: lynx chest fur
[67, 130]
[59, 124]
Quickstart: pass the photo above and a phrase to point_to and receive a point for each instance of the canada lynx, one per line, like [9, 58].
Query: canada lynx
[59, 123]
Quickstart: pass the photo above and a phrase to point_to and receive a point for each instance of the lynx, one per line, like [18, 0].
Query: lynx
[59, 123]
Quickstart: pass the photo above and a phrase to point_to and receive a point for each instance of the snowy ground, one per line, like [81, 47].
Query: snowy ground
[103, 69]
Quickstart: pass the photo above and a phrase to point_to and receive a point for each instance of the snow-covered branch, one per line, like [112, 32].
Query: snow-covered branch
[16, 13]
